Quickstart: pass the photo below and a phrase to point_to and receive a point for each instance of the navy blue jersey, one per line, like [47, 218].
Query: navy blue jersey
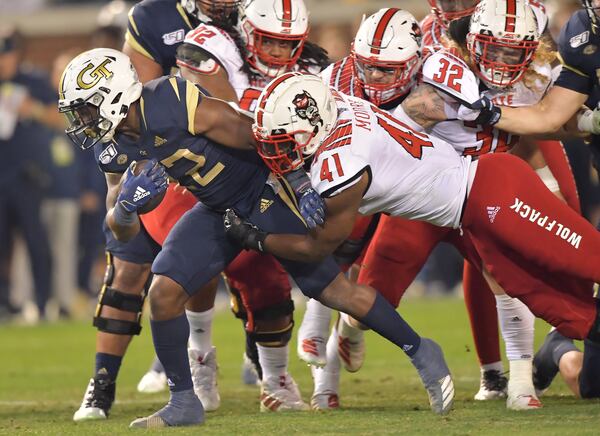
[156, 28]
[220, 177]
[579, 50]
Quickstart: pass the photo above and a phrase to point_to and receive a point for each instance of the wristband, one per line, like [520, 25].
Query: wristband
[585, 122]
[548, 178]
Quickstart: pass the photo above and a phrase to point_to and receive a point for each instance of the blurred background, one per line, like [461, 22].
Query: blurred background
[52, 195]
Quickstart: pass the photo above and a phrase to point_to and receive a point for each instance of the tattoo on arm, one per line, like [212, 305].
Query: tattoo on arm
[425, 106]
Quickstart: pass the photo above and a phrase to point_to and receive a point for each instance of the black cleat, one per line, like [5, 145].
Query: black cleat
[98, 399]
[493, 385]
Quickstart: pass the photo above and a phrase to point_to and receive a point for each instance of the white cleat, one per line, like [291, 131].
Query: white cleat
[281, 395]
[351, 346]
[492, 386]
[152, 382]
[313, 350]
[204, 376]
[97, 400]
[522, 396]
[325, 401]
[249, 374]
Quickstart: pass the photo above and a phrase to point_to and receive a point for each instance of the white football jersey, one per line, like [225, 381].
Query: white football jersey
[413, 175]
[458, 83]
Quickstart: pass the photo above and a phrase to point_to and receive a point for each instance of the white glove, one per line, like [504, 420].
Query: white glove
[589, 121]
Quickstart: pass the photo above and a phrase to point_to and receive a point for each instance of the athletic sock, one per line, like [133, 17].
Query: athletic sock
[589, 377]
[316, 318]
[273, 361]
[347, 330]
[327, 379]
[170, 342]
[201, 330]
[516, 324]
[156, 365]
[110, 363]
[383, 319]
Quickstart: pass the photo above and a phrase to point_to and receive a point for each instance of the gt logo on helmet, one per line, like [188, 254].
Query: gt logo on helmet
[96, 74]
[306, 108]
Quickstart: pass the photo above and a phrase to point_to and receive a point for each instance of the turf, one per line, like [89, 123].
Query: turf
[45, 369]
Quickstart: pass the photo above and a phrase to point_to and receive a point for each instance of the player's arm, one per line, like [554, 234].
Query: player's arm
[554, 111]
[222, 123]
[216, 83]
[123, 230]
[147, 68]
[342, 210]
[424, 106]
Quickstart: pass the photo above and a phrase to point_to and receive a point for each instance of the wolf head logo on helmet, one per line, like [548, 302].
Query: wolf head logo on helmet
[306, 108]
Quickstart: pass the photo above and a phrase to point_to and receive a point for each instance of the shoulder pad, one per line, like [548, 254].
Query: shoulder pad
[218, 44]
[451, 75]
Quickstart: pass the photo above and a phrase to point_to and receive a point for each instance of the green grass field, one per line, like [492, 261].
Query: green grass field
[45, 369]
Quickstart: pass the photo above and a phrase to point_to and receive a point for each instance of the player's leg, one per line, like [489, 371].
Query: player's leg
[117, 317]
[326, 283]
[195, 251]
[481, 307]
[557, 353]
[266, 295]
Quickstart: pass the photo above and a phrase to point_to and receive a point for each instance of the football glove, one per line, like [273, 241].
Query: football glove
[310, 203]
[243, 233]
[137, 190]
[589, 121]
[482, 112]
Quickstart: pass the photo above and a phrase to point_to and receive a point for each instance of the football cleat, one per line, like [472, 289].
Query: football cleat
[152, 382]
[281, 394]
[492, 385]
[435, 375]
[521, 393]
[523, 401]
[204, 376]
[351, 346]
[249, 373]
[325, 401]
[184, 408]
[312, 350]
[98, 398]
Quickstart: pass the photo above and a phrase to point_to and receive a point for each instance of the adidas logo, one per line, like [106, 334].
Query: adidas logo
[265, 204]
[406, 347]
[515, 319]
[139, 194]
[158, 141]
[492, 212]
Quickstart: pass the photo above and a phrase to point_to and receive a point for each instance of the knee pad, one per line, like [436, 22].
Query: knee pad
[112, 297]
[278, 338]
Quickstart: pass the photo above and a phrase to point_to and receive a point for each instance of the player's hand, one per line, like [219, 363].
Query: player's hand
[310, 203]
[482, 112]
[243, 233]
[137, 190]
[588, 121]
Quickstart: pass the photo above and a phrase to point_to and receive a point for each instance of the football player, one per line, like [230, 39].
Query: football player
[576, 85]
[526, 241]
[209, 150]
[235, 67]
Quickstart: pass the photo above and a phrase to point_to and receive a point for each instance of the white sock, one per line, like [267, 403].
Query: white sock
[516, 324]
[316, 320]
[347, 330]
[273, 360]
[496, 366]
[520, 381]
[200, 330]
[327, 379]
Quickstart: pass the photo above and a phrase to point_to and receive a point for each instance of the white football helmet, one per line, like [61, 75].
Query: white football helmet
[95, 92]
[448, 10]
[294, 113]
[208, 10]
[386, 54]
[502, 40]
[278, 20]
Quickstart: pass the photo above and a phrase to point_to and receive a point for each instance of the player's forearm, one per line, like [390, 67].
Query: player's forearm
[533, 120]
[300, 248]
[124, 225]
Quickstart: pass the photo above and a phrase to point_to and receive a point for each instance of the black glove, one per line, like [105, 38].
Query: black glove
[489, 113]
[310, 203]
[243, 233]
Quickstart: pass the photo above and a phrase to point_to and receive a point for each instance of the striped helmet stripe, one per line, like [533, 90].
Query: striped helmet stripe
[380, 30]
[267, 92]
[511, 13]
[287, 13]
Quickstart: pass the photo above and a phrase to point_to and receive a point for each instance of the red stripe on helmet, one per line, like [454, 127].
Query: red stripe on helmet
[287, 13]
[380, 30]
[267, 92]
[511, 12]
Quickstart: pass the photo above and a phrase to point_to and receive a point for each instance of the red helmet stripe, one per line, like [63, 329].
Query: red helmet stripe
[267, 92]
[380, 30]
[287, 13]
[511, 12]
